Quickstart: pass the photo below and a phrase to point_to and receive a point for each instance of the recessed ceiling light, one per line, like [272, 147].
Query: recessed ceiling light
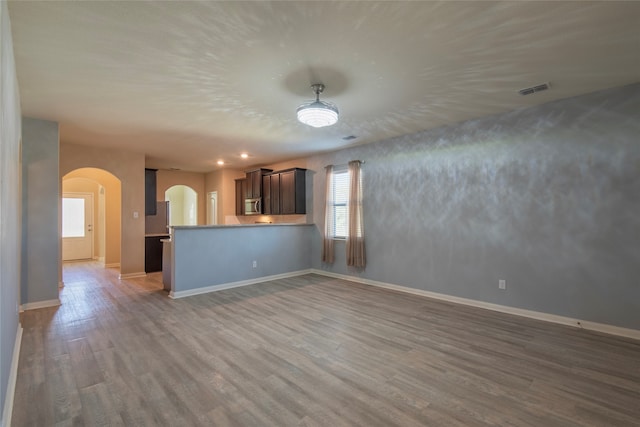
[244, 155]
[221, 162]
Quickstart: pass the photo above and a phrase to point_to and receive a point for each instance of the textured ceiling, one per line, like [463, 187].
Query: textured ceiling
[188, 83]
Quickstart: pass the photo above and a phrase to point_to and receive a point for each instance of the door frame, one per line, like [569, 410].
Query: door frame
[212, 195]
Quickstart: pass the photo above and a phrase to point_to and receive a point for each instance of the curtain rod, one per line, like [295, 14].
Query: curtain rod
[346, 164]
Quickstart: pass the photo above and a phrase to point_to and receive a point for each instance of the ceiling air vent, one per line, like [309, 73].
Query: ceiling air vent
[534, 89]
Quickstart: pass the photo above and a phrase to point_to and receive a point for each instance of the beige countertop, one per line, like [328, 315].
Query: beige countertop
[195, 227]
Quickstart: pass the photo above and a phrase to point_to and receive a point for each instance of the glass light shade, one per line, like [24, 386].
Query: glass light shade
[318, 114]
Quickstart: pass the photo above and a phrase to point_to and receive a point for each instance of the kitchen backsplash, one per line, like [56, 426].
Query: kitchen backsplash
[273, 219]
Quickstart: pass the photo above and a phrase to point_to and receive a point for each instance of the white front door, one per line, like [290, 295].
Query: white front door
[77, 226]
[212, 208]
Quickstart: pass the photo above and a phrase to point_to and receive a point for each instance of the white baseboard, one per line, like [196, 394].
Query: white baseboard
[132, 275]
[214, 288]
[553, 318]
[7, 411]
[112, 265]
[40, 304]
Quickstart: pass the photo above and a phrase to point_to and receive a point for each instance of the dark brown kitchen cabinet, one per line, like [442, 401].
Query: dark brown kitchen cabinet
[271, 194]
[241, 185]
[282, 192]
[292, 191]
[266, 194]
[275, 194]
[150, 191]
[249, 188]
[254, 183]
[153, 253]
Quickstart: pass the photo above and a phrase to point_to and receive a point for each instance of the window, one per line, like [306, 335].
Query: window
[72, 217]
[340, 207]
[343, 213]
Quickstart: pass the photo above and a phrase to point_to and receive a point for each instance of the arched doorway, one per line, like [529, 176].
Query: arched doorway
[183, 205]
[105, 192]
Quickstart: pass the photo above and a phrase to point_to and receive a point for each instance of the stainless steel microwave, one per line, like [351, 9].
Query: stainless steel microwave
[253, 206]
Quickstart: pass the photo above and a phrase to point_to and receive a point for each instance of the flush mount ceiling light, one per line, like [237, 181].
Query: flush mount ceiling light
[318, 113]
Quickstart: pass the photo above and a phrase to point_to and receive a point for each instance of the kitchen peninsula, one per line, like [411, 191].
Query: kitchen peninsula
[214, 257]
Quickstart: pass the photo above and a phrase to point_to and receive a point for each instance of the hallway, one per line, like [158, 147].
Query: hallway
[69, 352]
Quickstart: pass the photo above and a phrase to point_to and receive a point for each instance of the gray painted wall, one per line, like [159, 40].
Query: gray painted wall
[547, 198]
[41, 211]
[10, 197]
[212, 256]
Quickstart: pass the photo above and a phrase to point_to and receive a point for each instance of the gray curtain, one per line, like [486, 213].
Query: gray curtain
[327, 237]
[355, 239]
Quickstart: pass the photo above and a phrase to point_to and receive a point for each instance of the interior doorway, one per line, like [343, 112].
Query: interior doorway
[212, 208]
[77, 226]
[106, 192]
[183, 205]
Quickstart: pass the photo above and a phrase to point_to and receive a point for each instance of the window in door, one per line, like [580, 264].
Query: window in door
[77, 230]
[73, 217]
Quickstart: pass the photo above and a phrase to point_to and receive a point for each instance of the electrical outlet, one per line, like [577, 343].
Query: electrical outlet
[502, 284]
[255, 264]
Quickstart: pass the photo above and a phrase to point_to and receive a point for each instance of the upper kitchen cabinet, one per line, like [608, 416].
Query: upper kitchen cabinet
[241, 189]
[274, 183]
[150, 191]
[292, 191]
[254, 183]
[266, 195]
[271, 194]
[282, 192]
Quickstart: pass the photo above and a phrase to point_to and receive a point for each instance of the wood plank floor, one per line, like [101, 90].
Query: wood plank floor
[310, 351]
